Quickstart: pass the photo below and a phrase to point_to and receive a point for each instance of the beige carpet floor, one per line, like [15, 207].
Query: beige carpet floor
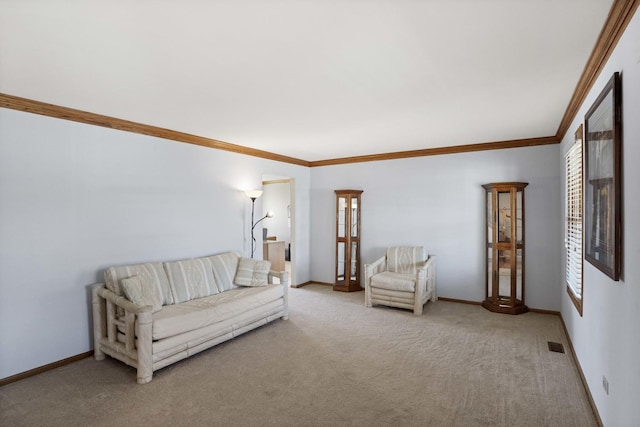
[333, 363]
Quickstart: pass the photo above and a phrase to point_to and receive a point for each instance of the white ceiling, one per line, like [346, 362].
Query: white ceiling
[308, 79]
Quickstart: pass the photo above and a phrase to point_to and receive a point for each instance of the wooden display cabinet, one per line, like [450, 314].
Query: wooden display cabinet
[347, 240]
[505, 248]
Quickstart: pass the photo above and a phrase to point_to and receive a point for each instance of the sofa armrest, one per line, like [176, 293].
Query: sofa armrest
[121, 301]
[283, 276]
[110, 312]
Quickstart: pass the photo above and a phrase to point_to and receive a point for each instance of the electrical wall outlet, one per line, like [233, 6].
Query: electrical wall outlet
[605, 385]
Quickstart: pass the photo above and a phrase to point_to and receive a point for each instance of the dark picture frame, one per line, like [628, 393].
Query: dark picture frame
[602, 186]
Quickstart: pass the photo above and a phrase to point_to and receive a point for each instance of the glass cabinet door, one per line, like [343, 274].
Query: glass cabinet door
[341, 233]
[342, 216]
[504, 276]
[504, 216]
[519, 229]
[342, 262]
[354, 217]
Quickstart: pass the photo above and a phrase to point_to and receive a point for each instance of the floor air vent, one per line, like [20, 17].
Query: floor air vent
[555, 346]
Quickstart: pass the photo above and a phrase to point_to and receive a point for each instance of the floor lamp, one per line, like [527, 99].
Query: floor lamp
[253, 195]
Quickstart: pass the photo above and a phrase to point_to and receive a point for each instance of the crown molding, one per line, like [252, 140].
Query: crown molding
[65, 113]
[619, 17]
[515, 143]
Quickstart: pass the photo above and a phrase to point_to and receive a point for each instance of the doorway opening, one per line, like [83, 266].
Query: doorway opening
[279, 233]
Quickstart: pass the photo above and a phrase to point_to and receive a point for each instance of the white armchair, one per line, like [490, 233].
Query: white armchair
[405, 277]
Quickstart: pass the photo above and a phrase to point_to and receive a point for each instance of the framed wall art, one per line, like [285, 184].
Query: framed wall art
[602, 186]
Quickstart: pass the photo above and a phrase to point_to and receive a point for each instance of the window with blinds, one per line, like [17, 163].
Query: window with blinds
[573, 221]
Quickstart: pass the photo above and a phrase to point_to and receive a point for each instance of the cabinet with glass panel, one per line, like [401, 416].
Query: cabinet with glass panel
[505, 247]
[347, 240]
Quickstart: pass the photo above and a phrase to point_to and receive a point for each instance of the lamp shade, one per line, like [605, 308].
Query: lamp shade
[270, 214]
[253, 194]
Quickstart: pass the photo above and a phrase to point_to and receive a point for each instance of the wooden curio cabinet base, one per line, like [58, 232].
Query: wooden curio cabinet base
[505, 306]
[348, 288]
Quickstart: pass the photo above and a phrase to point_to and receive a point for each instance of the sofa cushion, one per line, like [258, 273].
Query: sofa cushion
[252, 272]
[224, 269]
[190, 279]
[394, 281]
[187, 316]
[141, 292]
[152, 272]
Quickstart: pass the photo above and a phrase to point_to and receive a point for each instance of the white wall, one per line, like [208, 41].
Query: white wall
[607, 337]
[438, 202]
[75, 199]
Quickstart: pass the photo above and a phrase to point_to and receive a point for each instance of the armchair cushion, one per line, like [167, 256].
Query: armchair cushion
[405, 259]
[394, 281]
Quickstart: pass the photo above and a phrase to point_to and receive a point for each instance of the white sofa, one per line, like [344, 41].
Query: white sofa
[154, 314]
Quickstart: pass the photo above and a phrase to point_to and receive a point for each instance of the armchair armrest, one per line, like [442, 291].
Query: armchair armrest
[425, 278]
[370, 270]
[421, 281]
[430, 267]
[378, 266]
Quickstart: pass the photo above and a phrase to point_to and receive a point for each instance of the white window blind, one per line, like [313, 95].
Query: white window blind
[573, 224]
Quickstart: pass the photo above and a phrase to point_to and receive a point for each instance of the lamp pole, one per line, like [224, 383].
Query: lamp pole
[253, 239]
[269, 214]
[253, 195]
